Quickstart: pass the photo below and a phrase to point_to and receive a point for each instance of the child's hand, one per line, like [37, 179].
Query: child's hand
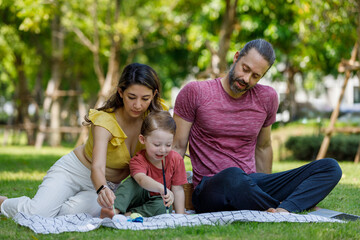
[168, 198]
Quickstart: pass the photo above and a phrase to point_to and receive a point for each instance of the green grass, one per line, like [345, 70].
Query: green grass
[22, 169]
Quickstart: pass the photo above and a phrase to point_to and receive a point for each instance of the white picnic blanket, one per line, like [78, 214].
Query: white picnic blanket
[84, 222]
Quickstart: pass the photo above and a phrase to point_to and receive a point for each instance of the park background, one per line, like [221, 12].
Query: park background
[60, 58]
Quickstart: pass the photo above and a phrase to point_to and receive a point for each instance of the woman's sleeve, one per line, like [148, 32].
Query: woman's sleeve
[104, 119]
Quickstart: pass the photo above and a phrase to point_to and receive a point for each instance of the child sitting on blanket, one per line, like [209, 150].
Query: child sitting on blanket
[143, 192]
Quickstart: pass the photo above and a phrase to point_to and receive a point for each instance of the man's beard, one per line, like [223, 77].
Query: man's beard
[232, 79]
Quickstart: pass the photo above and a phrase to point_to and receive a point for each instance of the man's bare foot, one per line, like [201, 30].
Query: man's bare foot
[2, 199]
[281, 210]
[271, 210]
[315, 208]
[277, 210]
[107, 213]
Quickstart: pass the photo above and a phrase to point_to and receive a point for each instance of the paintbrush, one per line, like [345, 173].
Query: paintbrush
[165, 192]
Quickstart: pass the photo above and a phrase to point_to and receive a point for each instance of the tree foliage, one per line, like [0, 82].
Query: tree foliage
[177, 38]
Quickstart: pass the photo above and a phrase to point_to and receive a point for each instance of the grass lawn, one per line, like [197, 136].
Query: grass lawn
[22, 169]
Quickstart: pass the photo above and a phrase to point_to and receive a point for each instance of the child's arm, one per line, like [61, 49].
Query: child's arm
[148, 183]
[179, 194]
[151, 185]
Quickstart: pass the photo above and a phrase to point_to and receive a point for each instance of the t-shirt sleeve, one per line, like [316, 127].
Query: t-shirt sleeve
[138, 164]
[102, 119]
[187, 102]
[271, 107]
[105, 120]
[179, 176]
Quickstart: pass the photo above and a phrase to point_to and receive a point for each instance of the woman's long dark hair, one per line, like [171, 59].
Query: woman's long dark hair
[134, 73]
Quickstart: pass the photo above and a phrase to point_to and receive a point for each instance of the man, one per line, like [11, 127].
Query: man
[227, 123]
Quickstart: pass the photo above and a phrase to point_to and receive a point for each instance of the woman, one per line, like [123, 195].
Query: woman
[85, 179]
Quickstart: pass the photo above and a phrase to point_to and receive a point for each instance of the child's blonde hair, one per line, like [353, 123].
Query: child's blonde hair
[161, 120]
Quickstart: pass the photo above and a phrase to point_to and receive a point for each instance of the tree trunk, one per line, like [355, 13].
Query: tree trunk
[227, 28]
[113, 64]
[334, 115]
[84, 130]
[111, 76]
[24, 96]
[57, 40]
[218, 57]
[57, 58]
[108, 82]
[290, 93]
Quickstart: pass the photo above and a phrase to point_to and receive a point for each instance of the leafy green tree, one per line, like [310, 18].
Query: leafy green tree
[82, 46]
[20, 66]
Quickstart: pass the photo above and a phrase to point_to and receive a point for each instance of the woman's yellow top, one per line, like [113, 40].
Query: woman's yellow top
[118, 156]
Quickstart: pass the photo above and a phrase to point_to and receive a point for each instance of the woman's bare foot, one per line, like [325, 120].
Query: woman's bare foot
[2, 199]
[108, 213]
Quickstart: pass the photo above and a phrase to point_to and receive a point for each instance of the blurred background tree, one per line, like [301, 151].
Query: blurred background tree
[60, 58]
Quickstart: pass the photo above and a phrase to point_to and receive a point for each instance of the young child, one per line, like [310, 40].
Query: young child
[143, 192]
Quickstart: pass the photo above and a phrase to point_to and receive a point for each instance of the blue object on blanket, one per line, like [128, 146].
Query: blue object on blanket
[138, 219]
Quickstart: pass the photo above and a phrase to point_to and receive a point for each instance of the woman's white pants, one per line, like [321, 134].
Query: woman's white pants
[66, 189]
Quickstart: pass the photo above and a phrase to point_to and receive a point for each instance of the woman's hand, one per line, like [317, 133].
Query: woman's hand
[106, 197]
[168, 198]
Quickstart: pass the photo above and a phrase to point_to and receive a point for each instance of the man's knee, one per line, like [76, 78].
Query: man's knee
[335, 168]
[332, 166]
